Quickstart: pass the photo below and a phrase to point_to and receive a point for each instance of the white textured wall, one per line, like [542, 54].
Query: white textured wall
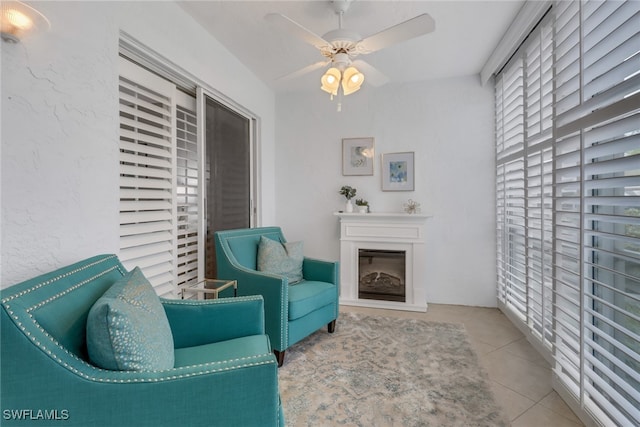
[59, 149]
[449, 126]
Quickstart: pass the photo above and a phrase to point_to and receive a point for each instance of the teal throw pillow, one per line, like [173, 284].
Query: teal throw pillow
[284, 259]
[127, 328]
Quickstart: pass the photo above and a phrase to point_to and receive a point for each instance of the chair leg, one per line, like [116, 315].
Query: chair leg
[279, 357]
[331, 326]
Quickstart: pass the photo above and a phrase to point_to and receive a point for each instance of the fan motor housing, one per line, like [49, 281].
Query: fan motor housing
[342, 39]
[341, 60]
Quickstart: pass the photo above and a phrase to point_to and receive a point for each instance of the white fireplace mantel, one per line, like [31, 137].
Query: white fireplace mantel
[395, 231]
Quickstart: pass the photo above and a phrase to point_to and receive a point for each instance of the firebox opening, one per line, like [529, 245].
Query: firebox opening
[381, 275]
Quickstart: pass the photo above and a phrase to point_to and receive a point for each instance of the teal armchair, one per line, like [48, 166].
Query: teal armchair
[292, 311]
[225, 372]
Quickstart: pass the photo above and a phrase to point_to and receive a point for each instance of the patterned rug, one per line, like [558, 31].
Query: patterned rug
[377, 371]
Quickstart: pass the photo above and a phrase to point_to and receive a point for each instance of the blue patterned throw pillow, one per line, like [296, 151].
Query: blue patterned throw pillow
[284, 259]
[127, 328]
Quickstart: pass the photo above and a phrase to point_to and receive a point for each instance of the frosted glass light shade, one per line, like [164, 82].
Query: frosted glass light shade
[352, 79]
[331, 81]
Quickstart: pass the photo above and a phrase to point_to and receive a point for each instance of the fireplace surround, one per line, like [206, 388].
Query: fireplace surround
[382, 258]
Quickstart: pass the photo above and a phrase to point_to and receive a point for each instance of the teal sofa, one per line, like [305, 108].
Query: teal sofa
[293, 311]
[225, 373]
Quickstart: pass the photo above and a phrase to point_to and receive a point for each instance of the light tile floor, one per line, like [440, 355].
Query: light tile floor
[520, 377]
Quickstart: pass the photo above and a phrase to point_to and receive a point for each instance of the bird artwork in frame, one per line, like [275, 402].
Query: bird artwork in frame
[357, 156]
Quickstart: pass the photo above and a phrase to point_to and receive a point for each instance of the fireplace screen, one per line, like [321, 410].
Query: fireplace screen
[381, 275]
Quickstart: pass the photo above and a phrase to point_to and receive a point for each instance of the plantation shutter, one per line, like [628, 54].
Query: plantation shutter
[598, 131]
[187, 189]
[538, 57]
[511, 188]
[147, 175]
[568, 255]
[580, 167]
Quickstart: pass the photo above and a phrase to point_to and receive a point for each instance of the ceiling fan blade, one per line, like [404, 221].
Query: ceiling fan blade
[371, 74]
[303, 71]
[296, 29]
[414, 27]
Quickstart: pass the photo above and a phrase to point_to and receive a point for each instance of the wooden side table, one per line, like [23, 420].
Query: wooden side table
[209, 287]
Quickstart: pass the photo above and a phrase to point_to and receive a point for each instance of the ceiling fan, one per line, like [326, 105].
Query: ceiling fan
[341, 46]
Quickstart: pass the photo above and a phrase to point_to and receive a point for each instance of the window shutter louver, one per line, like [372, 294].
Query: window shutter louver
[610, 133]
[580, 165]
[538, 58]
[567, 269]
[612, 267]
[147, 157]
[187, 190]
[512, 126]
[511, 188]
[524, 119]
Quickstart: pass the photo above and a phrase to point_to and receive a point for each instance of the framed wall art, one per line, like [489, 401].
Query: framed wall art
[398, 172]
[357, 156]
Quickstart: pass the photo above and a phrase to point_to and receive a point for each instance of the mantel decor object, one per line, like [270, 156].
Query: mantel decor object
[363, 205]
[349, 193]
[411, 207]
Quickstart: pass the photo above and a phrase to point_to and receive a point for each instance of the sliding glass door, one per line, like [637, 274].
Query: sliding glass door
[228, 174]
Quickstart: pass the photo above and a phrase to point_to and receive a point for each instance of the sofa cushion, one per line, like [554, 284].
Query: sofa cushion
[308, 296]
[238, 348]
[127, 328]
[283, 259]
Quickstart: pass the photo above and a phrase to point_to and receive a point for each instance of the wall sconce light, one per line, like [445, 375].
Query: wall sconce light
[18, 19]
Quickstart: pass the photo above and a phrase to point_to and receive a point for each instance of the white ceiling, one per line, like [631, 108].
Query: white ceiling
[466, 34]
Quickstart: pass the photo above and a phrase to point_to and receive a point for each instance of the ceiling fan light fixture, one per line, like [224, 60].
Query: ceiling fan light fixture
[340, 46]
[331, 81]
[352, 80]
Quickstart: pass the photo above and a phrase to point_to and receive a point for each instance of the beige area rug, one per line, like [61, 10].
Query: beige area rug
[378, 371]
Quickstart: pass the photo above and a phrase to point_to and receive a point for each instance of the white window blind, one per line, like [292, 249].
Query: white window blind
[158, 179]
[524, 113]
[147, 175]
[538, 105]
[511, 187]
[573, 277]
[568, 239]
[187, 190]
[510, 120]
[512, 261]
[599, 202]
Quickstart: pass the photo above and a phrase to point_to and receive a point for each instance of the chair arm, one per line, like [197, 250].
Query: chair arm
[206, 321]
[275, 291]
[319, 270]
